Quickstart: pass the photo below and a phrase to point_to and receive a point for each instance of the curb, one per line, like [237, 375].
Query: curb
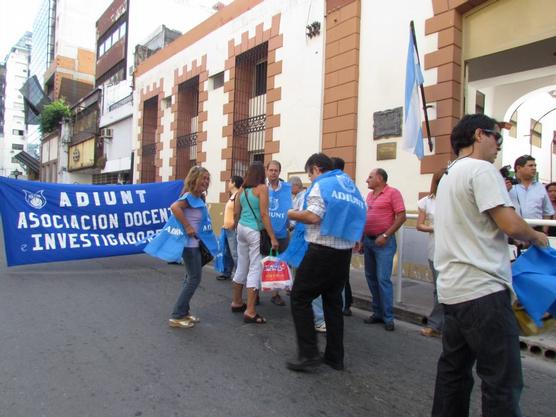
[528, 346]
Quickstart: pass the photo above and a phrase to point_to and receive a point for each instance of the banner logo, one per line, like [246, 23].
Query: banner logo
[35, 200]
[273, 204]
[346, 183]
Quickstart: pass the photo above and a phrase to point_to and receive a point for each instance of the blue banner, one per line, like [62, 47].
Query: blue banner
[46, 222]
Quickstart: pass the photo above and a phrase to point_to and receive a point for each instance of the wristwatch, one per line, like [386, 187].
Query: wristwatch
[385, 236]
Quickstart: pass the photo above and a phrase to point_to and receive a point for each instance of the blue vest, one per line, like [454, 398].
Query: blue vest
[344, 217]
[279, 202]
[168, 244]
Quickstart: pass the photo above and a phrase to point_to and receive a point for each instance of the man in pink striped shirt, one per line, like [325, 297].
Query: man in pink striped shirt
[385, 215]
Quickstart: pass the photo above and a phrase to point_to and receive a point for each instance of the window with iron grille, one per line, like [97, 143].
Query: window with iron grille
[249, 108]
[148, 142]
[513, 122]
[187, 126]
[479, 103]
[536, 133]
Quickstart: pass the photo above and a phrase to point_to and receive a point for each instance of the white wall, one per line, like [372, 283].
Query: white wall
[118, 149]
[382, 62]
[302, 82]
[534, 107]
[215, 142]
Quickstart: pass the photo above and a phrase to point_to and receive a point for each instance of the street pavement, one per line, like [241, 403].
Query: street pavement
[90, 338]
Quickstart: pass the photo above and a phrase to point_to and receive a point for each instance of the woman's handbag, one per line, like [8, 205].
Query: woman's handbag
[206, 256]
[265, 245]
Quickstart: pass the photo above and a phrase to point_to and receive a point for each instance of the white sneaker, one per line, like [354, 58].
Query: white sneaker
[182, 323]
[321, 328]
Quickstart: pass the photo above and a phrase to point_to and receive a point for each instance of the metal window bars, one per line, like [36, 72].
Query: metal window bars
[249, 108]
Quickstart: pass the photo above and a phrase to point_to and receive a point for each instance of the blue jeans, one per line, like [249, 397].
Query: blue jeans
[231, 239]
[484, 331]
[318, 310]
[378, 271]
[193, 270]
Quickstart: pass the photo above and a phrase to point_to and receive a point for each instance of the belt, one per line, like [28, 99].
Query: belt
[326, 248]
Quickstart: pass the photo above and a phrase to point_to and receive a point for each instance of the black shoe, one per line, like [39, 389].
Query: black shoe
[339, 366]
[304, 364]
[373, 320]
[222, 277]
[347, 312]
[389, 326]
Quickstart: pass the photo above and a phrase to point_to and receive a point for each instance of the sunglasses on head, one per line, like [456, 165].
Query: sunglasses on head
[497, 136]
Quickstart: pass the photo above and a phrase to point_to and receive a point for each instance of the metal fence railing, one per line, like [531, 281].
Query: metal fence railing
[400, 252]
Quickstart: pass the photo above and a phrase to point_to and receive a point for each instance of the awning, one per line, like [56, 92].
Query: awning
[29, 161]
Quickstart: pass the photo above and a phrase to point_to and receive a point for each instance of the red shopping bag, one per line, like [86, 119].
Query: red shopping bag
[276, 274]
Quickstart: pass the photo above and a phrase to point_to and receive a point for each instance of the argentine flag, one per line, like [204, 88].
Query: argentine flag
[413, 133]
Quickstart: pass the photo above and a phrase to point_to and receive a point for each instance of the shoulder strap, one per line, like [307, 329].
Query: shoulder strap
[249, 204]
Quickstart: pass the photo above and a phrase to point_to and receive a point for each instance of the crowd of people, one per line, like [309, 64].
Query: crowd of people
[469, 215]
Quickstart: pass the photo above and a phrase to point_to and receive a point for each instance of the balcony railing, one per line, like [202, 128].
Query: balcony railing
[120, 103]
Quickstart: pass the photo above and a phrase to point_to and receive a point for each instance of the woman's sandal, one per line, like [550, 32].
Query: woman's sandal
[258, 319]
[239, 309]
[277, 300]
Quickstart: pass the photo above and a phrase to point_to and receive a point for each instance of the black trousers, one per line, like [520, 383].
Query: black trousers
[348, 301]
[323, 271]
[482, 331]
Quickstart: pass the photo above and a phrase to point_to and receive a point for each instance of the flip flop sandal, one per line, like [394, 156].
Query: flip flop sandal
[239, 309]
[258, 319]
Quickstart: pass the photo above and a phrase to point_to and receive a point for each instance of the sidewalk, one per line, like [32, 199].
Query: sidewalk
[416, 303]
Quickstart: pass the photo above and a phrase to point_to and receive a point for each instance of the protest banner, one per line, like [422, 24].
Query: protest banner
[46, 222]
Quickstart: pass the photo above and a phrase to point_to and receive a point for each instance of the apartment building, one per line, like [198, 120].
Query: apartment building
[13, 129]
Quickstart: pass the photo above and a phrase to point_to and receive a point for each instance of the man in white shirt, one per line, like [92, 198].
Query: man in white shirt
[528, 195]
[473, 216]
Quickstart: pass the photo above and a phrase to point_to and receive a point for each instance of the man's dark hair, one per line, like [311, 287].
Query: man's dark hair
[275, 163]
[237, 181]
[463, 134]
[522, 161]
[338, 163]
[550, 184]
[320, 160]
[256, 175]
[383, 174]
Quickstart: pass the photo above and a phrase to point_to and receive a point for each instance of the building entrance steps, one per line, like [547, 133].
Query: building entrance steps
[416, 304]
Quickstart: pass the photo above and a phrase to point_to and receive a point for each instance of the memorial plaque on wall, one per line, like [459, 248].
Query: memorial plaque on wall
[386, 151]
[387, 123]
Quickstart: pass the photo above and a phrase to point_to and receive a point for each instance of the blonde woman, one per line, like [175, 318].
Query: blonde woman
[191, 211]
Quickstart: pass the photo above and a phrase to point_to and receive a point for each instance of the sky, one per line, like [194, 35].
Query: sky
[16, 17]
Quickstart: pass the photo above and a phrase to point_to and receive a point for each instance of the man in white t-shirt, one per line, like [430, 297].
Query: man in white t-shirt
[473, 215]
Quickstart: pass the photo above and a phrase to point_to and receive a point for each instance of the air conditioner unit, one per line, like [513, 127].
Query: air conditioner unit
[106, 133]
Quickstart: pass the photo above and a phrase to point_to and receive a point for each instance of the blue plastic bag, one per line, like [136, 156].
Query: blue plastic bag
[223, 262]
[168, 244]
[534, 282]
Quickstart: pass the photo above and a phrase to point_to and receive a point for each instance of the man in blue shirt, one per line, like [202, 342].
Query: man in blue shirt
[529, 196]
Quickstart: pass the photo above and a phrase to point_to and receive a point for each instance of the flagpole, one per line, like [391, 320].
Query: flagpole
[412, 28]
